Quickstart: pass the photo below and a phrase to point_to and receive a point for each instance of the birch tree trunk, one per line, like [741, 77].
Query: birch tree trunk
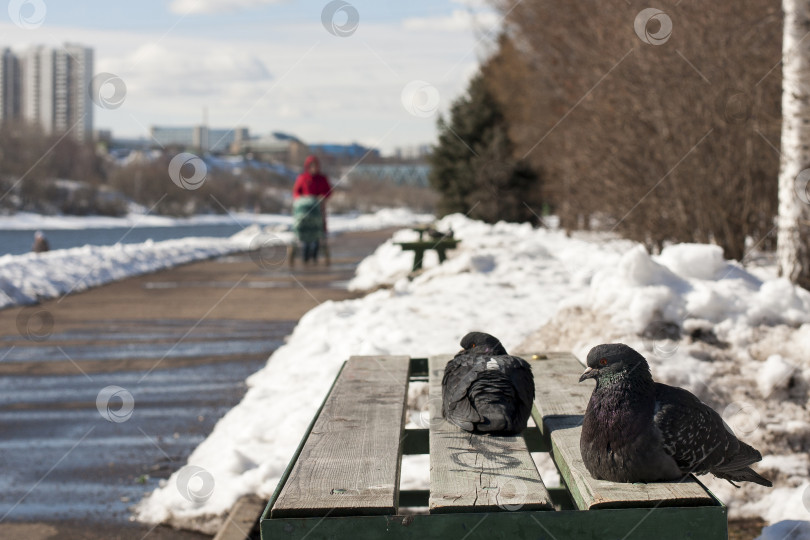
[793, 241]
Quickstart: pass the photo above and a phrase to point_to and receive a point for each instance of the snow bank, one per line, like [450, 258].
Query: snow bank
[786, 530]
[389, 264]
[28, 278]
[381, 219]
[504, 278]
[739, 339]
[774, 374]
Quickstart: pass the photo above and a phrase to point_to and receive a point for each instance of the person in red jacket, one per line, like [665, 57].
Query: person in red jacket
[310, 192]
[311, 181]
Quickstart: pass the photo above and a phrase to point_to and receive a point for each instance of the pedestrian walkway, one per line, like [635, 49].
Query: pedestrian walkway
[105, 393]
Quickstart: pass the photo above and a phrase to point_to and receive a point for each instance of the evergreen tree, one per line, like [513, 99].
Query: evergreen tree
[473, 164]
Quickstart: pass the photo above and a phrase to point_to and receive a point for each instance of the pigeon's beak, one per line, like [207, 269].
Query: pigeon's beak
[589, 373]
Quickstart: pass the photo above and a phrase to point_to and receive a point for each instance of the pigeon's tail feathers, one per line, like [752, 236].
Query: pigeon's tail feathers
[496, 418]
[746, 455]
[746, 474]
[462, 414]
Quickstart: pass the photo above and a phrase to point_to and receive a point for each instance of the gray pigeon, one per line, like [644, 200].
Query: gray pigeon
[486, 390]
[638, 430]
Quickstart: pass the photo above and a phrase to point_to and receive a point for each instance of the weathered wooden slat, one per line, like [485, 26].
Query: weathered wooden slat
[478, 473]
[350, 463]
[558, 394]
[590, 493]
[560, 402]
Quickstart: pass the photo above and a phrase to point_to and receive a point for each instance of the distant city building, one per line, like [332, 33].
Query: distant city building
[50, 88]
[411, 174]
[103, 135]
[73, 77]
[126, 143]
[174, 136]
[412, 152]
[37, 87]
[200, 138]
[10, 80]
[274, 148]
[344, 152]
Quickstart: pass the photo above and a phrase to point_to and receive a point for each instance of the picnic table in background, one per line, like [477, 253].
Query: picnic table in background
[438, 241]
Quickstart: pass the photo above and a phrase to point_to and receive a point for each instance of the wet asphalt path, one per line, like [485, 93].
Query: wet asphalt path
[105, 393]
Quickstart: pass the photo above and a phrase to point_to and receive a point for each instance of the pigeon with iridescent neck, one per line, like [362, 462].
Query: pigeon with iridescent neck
[638, 430]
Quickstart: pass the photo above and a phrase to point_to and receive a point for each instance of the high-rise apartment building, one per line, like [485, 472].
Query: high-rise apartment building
[52, 88]
[9, 86]
[73, 75]
[37, 87]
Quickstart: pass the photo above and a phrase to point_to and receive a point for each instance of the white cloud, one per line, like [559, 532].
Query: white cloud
[458, 21]
[193, 7]
[298, 79]
[475, 4]
[185, 63]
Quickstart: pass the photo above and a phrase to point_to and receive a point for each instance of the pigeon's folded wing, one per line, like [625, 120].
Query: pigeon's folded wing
[522, 379]
[692, 433]
[459, 374]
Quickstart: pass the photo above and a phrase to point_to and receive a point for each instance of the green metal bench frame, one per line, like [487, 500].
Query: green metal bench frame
[440, 246]
[708, 521]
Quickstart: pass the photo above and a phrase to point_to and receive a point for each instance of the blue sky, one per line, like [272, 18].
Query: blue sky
[273, 65]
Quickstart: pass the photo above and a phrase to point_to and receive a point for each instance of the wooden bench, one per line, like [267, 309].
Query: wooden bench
[440, 246]
[343, 481]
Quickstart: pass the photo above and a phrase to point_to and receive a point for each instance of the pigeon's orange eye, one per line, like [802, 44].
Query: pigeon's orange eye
[603, 361]
[473, 345]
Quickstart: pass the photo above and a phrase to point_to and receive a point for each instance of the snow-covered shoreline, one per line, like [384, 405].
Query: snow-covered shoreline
[512, 280]
[27, 221]
[31, 277]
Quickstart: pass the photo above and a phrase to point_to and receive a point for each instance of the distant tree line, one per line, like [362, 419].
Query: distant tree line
[55, 174]
[147, 181]
[34, 167]
[675, 141]
[30, 164]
